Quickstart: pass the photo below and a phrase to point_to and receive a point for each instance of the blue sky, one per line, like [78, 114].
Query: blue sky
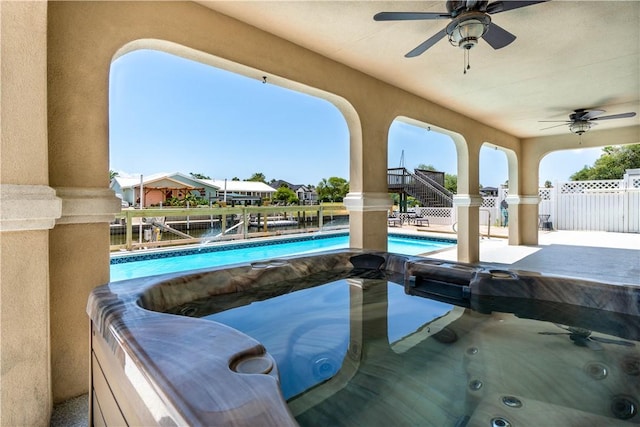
[169, 114]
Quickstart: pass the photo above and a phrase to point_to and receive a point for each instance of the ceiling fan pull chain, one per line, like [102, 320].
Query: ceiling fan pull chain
[466, 61]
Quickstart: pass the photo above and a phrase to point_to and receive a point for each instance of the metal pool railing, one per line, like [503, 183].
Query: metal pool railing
[159, 227]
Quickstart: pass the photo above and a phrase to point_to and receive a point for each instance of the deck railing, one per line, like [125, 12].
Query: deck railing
[419, 185]
[158, 227]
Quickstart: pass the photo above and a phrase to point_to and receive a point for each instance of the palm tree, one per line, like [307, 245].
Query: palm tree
[333, 189]
[258, 177]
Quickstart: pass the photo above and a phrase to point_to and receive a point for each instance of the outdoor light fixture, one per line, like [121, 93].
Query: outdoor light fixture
[579, 127]
[465, 33]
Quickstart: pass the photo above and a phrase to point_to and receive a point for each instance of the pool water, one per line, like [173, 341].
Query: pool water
[359, 351]
[131, 267]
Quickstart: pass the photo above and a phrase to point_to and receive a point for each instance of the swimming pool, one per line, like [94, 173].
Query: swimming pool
[133, 266]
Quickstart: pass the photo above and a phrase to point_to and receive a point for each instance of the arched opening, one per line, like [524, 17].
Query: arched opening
[495, 180]
[422, 174]
[176, 114]
[171, 113]
[590, 189]
[559, 165]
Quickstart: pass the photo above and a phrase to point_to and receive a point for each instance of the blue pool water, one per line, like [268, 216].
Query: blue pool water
[150, 264]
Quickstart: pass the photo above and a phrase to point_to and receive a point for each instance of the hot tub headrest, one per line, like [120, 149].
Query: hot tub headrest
[367, 266]
[367, 262]
[443, 281]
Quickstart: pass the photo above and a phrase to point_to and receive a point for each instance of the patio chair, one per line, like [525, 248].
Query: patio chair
[420, 220]
[394, 221]
[544, 223]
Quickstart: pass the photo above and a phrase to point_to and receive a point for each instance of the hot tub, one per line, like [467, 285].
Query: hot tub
[412, 341]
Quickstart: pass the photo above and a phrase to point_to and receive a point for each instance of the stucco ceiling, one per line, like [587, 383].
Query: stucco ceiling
[567, 55]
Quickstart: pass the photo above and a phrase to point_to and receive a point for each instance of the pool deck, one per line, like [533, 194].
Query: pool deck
[592, 255]
[595, 255]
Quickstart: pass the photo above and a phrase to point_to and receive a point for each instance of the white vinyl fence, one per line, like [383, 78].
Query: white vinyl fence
[440, 216]
[604, 205]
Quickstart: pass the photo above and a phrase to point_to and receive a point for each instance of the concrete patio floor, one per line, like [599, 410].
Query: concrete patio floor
[592, 255]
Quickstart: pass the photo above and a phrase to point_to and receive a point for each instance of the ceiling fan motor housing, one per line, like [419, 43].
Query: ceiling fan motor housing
[456, 7]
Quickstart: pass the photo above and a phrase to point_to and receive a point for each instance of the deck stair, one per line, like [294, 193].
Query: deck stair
[419, 185]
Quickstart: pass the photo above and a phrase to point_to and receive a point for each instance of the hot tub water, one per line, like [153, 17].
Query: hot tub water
[361, 351]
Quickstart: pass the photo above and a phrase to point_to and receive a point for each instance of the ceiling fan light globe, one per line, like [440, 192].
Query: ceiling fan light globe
[466, 33]
[579, 127]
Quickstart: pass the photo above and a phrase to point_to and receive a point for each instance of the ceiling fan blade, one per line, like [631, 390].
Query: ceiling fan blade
[503, 6]
[615, 116]
[587, 114]
[612, 341]
[422, 47]
[409, 16]
[555, 126]
[498, 37]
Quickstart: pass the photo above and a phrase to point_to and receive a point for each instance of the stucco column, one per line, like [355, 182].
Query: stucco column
[81, 231]
[368, 219]
[523, 219]
[525, 203]
[468, 211]
[28, 209]
[468, 200]
[368, 201]
[77, 85]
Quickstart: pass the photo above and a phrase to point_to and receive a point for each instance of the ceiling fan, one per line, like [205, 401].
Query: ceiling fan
[582, 119]
[583, 338]
[470, 20]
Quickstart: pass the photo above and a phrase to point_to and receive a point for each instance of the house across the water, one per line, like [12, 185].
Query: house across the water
[159, 189]
[306, 194]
